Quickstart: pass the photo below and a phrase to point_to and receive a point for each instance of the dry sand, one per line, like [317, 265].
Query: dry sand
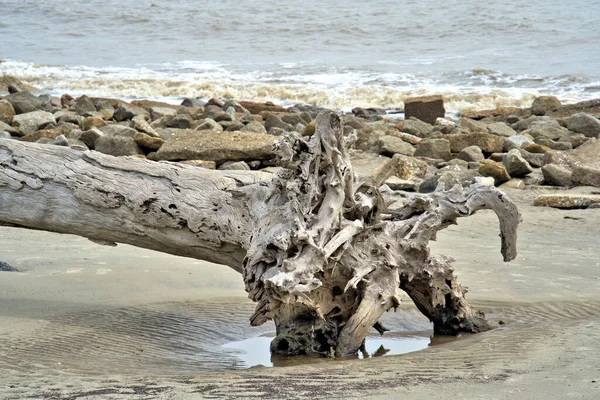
[93, 322]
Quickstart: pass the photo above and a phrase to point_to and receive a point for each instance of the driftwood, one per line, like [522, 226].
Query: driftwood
[320, 252]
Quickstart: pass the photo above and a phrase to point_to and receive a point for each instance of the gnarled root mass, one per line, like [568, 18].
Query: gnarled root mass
[328, 258]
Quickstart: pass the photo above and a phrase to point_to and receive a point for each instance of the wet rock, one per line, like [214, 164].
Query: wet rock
[126, 112]
[390, 145]
[235, 166]
[566, 201]
[434, 148]
[82, 105]
[485, 141]
[556, 175]
[217, 146]
[117, 145]
[7, 112]
[495, 170]
[501, 129]
[515, 164]
[543, 104]
[255, 126]
[145, 141]
[32, 121]
[426, 108]
[516, 142]
[6, 267]
[584, 124]
[24, 102]
[416, 127]
[471, 153]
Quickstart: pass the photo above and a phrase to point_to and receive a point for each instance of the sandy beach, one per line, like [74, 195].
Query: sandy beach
[83, 321]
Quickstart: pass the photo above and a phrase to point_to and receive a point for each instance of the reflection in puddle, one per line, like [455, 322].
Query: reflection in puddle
[255, 351]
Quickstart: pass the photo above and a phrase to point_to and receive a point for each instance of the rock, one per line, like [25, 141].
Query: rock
[536, 160]
[471, 153]
[586, 155]
[351, 120]
[556, 175]
[472, 125]
[536, 148]
[408, 138]
[66, 100]
[551, 144]
[32, 121]
[484, 180]
[272, 121]
[495, 170]
[193, 103]
[145, 141]
[235, 166]
[8, 129]
[526, 123]
[140, 124]
[92, 122]
[566, 201]
[24, 102]
[257, 108]
[295, 119]
[584, 124]
[416, 127]
[160, 112]
[390, 145]
[513, 184]
[126, 112]
[586, 175]
[449, 176]
[426, 108]
[6, 267]
[224, 117]
[256, 127]
[547, 129]
[232, 126]
[49, 134]
[434, 148]
[208, 124]
[515, 164]
[5, 135]
[200, 163]
[274, 131]
[7, 112]
[61, 140]
[117, 145]
[500, 129]
[486, 142]
[396, 183]
[82, 105]
[217, 146]
[179, 121]
[368, 113]
[118, 130]
[543, 104]
[309, 129]
[575, 139]
[516, 142]
[90, 137]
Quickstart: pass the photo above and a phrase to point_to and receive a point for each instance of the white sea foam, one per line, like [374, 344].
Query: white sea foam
[340, 89]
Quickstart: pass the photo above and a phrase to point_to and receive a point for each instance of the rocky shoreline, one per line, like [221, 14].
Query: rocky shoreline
[547, 145]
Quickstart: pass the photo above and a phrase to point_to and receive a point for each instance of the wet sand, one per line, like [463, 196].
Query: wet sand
[87, 321]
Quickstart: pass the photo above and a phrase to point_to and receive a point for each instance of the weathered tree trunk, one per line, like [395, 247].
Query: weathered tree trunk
[320, 252]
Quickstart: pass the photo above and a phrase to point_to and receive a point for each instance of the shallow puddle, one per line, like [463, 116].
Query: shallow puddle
[255, 351]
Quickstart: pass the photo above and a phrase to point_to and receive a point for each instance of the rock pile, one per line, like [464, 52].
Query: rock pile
[548, 144]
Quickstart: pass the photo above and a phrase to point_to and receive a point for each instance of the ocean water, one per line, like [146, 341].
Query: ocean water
[334, 53]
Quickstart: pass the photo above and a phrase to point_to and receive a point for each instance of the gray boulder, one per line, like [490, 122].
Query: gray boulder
[390, 145]
[543, 104]
[515, 164]
[501, 129]
[585, 124]
[24, 102]
[556, 175]
[140, 124]
[208, 124]
[547, 129]
[126, 112]
[272, 121]
[118, 130]
[471, 153]
[117, 145]
[417, 128]
[254, 126]
[434, 148]
[6, 267]
[516, 142]
[160, 112]
[90, 137]
[32, 121]
[83, 105]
